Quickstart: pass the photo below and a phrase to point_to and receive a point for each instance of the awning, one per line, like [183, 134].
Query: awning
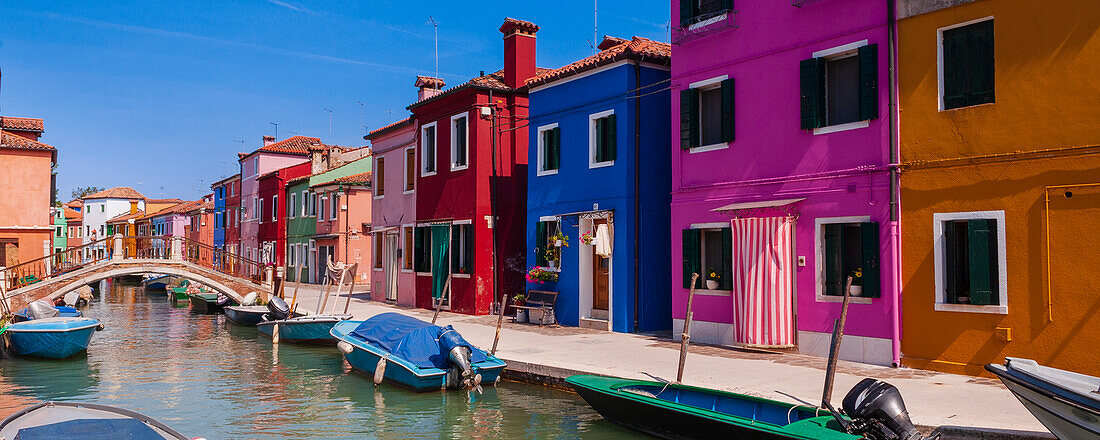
[783, 206]
[573, 217]
[325, 236]
[382, 230]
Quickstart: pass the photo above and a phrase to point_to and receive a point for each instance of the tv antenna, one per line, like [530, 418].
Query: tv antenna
[436, 25]
[362, 128]
[329, 123]
[276, 130]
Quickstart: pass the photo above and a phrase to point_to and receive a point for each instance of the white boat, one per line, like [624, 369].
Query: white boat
[1067, 403]
[82, 421]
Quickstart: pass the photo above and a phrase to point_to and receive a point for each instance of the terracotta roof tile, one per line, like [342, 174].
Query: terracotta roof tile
[71, 213]
[202, 205]
[354, 178]
[389, 128]
[119, 192]
[299, 145]
[512, 23]
[611, 50]
[75, 204]
[8, 140]
[163, 200]
[122, 218]
[493, 81]
[21, 124]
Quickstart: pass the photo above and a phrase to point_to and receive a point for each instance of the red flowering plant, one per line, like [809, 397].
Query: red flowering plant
[538, 275]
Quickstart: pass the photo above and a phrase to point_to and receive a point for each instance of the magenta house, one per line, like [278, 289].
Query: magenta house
[781, 177]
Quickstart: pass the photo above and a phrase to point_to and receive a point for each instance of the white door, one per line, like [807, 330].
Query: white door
[389, 258]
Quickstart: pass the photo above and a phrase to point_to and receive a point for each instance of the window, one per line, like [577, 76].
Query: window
[103, 207]
[966, 65]
[705, 250]
[292, 207]
[380, 177]
[275, 208]
[848, 247]
[259, 214]
[970, 262]
[694, 11]
[324, 204]
[549, 149]
[313, 205]
[706, 114]
[601, 139]
[462, 248]
[292, 254]
[407, 253]
[101, 230]
[410, 169]
[377, 251]
[58, 231]
[335, 205]
[427, 150]
[422, 248]
[460, 142]
[839, 86]
[305, 203]
[544, 232]
[255, 207]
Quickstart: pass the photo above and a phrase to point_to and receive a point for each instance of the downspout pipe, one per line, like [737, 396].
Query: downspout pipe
[895, 181]
[637, 185]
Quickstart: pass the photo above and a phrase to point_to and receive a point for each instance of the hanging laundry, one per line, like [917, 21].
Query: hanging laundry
[603, 241]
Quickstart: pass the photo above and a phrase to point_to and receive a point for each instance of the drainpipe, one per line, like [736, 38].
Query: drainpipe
[895, 181]
[492, 204]
[637, 184]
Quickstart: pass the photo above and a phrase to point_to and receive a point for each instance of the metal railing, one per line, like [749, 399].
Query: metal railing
[58, 263]
[222, 261]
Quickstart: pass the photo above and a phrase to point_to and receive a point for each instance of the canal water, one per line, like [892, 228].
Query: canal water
[206, 377]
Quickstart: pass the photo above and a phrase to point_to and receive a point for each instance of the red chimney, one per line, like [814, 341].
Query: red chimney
[428, 87]
[268, 140]
[519, 51]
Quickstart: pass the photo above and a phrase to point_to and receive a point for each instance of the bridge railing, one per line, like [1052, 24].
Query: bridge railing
[211, 257]
[58, 263]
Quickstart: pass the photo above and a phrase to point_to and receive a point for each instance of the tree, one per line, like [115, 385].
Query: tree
[82, 191]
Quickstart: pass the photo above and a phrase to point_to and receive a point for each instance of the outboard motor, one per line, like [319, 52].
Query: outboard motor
[42, 309]
[458, 352]
[878, 412]
[279, 309]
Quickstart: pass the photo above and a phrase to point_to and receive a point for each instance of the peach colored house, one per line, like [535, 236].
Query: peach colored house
[25, 223]
[344, 222]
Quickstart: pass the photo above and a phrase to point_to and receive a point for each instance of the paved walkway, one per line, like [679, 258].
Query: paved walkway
[932, 398]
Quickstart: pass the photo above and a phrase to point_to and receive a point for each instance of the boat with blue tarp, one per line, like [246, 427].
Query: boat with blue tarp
[82, 421]
[48, 335]
[62, 311]
[424, 356]
[156, 282]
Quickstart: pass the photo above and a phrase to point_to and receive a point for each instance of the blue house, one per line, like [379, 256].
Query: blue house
[598, 186]
[220, 220]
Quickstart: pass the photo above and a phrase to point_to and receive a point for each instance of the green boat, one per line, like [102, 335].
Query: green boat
[675, 411]
[208, 302]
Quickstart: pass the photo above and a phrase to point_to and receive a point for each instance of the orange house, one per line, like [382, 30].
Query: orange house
[26, 190]
[1000, 186]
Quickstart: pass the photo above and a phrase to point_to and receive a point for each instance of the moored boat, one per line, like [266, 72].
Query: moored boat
[156, 283]
[1067, 403]
[311, 329]
[54, 338]
[245, 315]
[676, 411]
[62, 311]
[82, 421]
[415, 354]
[209, 302]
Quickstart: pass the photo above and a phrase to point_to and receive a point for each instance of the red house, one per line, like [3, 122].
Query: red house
[272, 218]
[457, 190]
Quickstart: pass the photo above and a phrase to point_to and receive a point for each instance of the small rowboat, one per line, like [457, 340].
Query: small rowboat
[82, 421]
[310, 329]
[1067, 403]
[245, 315]
[420, 356]
[62, 311]
[208, 302]
[54, 338]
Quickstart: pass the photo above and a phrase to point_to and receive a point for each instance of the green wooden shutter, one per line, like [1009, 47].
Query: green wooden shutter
[610, 138]
[812, 91]
[456, 247]
[954, 69]
[687, 12]
[872, 272]
[979, 42]
[868, 83]
[727, 5]
[689, 118]
[834, 265]
[540, 244]
[469, 249]
[601, 128]
[727, 110]
[556, 151]
[727, 260]
[982, 256]
[950, 262]
[691, 246]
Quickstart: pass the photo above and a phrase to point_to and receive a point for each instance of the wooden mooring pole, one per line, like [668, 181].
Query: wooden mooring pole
[834, 348]
[439, 301]
[685, 336]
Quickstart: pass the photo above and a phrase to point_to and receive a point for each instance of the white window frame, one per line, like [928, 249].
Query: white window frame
[939, 60]
[380, 163]
[407, 253]
[833, 54]
[293, 202]
[405, 171]
[1002, 262]
[592, 139]
[541, 152]
[454, 141]
[463, 241]
[259, 214]
[334, 198]
[275, 208]
[305, 203]
[707, 84]
[322, 203]
[703, 251]
[435, 147]
[819, 251]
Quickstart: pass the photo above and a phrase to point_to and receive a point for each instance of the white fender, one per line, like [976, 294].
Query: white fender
[275, 334]
[380, 371]
[345, 347]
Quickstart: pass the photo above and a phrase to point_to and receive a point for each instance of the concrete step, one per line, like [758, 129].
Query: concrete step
[595, 324]
[599, 314]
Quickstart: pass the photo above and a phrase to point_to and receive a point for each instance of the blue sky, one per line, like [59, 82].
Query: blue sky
[154, 95]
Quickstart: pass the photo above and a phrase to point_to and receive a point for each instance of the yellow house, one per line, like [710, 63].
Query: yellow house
[999, 104]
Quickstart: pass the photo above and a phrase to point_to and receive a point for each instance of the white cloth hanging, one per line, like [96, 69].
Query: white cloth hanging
[603, 240]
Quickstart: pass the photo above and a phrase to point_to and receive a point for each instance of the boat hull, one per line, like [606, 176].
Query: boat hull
[301, 331]
[85, 420]
[1061, 416]
[206, 303]
[37, 338]
[156, 287]
[245, 315]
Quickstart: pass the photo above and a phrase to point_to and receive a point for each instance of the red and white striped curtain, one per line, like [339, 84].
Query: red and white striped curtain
[762, 281]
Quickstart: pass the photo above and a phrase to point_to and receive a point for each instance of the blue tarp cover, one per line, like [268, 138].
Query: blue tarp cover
[65, 312]
[411, 339]
[91, 429]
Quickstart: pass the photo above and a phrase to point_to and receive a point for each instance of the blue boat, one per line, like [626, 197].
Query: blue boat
[63, 311]
[54, 338]
[83, 421]
[310, 329]
[415, 354]
[245, 315]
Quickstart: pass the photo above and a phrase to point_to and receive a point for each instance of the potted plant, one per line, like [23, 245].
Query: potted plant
[713, 278]
[857, 282]
[559, 240]
[539, 275]
[588, 238]
[518, 300]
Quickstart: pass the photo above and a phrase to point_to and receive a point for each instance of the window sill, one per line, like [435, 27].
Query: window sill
[546, 173]
[425, 174]
[842, 127]
[423, 274]
[406, 271]
[408, 191]
[942, 109]
[709, 292]
[379, 197]
[711, 147]
[459, 168]
[461, 275]
[707, 22]
[840, 299]
[378, 269]
[971, 308]
[592, 165]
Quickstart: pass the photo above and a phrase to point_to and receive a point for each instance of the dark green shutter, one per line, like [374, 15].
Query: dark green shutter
[609, 138]
[556, 151]
[691, 246]
[834, 265]
[868, 83]
[727, 110]
[872, 283]
[954, 69]
[456, 247]
[982, 246]
[727, 260]
[601, 130]
[979, 41]
[727, 5]
[950, 256]
[418, 251]
[812, 92]
[540, 244]
[469, 249]
[689, 119]
[687, 12]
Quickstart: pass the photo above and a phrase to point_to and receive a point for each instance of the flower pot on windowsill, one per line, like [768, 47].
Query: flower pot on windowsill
[552, 265]
[857, 290]
[712, 285]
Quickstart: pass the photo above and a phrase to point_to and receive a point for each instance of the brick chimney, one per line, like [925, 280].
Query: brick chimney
[428, 86]
[268, 140]
[519, 51]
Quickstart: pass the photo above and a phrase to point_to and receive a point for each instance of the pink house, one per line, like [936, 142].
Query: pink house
[394, 211]
[781, 177]
[270, 157]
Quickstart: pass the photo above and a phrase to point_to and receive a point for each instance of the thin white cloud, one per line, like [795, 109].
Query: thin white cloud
[290, 6]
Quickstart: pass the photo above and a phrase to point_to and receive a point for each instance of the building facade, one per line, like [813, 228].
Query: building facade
[344, 221]
[272, 156]
[780, 175]
[301, 225]
[1000, 186]
[272, 220]
[26, 226]
[603, 119]
[103, 206]
[393, 211]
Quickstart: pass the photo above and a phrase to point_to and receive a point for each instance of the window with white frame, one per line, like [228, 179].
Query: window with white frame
[549, 149]
[323, 202]
[259, 214]
[313, 205]
[708, 251]
[410, 169]
[460, 142]
[966, 69]
[292, 206]
[971, 273]
[601, 139]
[427, 149]
[275, 208]
[706, 114]
[335, 205]
[839, 87]
[305, 203]
[847, 247]
[462, 247]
